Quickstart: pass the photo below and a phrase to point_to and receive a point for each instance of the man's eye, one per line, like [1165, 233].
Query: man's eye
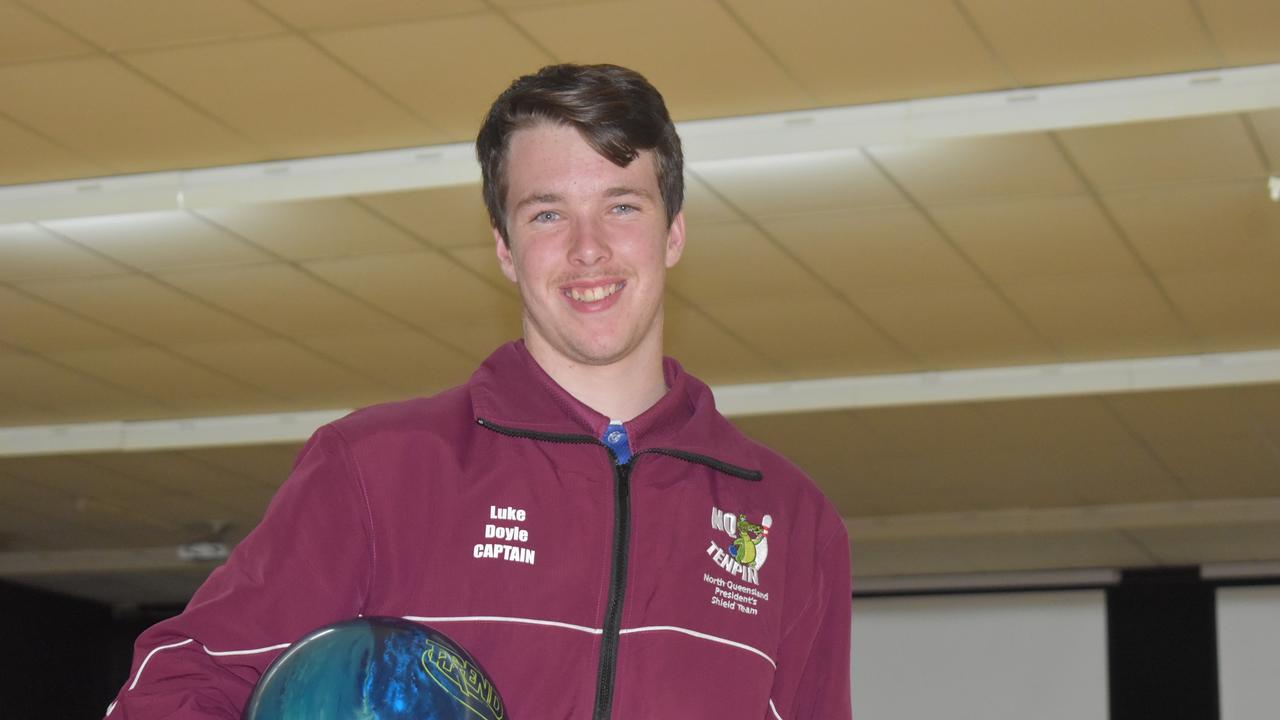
[625, 209]
[545, 216]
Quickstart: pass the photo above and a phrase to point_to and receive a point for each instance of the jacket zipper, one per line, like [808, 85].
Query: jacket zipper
[621, 542]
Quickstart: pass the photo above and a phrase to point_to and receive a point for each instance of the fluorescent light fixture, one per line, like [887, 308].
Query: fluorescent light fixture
[1274, 186]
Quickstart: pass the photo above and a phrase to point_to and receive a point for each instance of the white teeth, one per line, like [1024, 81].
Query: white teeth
[594, 294]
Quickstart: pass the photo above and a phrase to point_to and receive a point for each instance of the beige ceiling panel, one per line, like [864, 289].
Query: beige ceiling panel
[665, 40]
[484, 262]
[1159, 153]
[1201, 227]
[111, 116]
[791, 185]
[1215, 466]
[1263, 402]
[1218, 543]
[21, 529]
[929, 429]
[287, 95]
[157, 240]
[1103, 316]
[1061, 424]
[312, 229]
[409, 362]
[1015, 241]
[287, 370]
[283, 299]
[328, 14]
[956, 328]
[954, 482]
[1245, 31]
[996, 553]
[151, 23]
[175, 472]
[812, 338]
[1236, 309]
[144, 307]
[432, 292]
[267, 464]
[26, 36]
[29, 252]
[854, 52]
[1185, 414]
[708, 350]
[418, 63]
[733, 261]
[41, 383]
[704, 206]
[33, 158]
[63, 512]
[1267, 125]
[864, 251]
[835, 435]
[1045, 42]
[947, 171]
[25, 412]
[446, 217]
[38, 326]
[184, 386]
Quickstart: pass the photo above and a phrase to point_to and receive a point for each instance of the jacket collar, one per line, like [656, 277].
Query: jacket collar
[511, 390]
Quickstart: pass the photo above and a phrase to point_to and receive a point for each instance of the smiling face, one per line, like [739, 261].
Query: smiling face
[589, 247]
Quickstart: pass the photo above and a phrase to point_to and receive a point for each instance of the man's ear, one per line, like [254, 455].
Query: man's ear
[505, 261]
[675, 239]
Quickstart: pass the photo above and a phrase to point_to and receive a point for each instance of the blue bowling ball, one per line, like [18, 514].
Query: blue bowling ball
[375, 668]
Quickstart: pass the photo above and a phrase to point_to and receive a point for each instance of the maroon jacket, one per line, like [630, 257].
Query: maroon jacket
[493, 513]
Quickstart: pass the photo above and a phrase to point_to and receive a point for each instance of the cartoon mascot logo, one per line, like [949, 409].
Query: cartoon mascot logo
[744, 556]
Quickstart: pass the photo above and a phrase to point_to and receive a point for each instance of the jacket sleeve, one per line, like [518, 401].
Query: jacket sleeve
[308, 563]
[812, 678]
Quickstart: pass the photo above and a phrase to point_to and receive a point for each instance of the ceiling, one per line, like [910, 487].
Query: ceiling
[1055, 247]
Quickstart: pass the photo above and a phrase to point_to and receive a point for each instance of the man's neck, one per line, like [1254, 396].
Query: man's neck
[619, 391]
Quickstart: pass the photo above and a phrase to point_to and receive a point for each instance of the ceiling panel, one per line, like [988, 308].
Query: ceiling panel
[244, 497]
[29, 157]
[1244, 31]
[26, 36]
[996, 553]
[408, 361]
[393, 57]
[145, 308]
[1267, 125]
[855, 53]
[789, 185]
[1044, 423]
[1200, 227]
[148, 23]
[446, 217]
[35, 325]
[955, 327]
[288, 96]
[710, 351]
[157, 240]
[483, 261]
[1026, 238]
[326, 14]
[1221, 465]
[285, 369]
[29, 252]
[1103, 316]
[1232, 543]
[185, 387]
[312, 229]
[1232, 309]
[811, 338]
[112, 116]
[40, 383]
[455, 306]
[865, 251]
[1046, 41]
[283, 299]
[267, 464]
[1159, 153]
[947, 171]
[703, 206]
[735, 75]
[734, 261]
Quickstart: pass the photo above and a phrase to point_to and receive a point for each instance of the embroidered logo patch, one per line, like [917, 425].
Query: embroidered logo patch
[744, 555]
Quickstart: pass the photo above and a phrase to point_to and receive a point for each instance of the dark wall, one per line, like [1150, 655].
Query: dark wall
[63, 657]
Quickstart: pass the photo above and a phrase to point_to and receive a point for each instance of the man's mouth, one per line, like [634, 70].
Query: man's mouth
[593, 294]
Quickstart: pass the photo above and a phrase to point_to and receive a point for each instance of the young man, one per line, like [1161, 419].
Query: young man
[578, 516]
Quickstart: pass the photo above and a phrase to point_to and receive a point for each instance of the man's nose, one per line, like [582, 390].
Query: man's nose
[589, 243]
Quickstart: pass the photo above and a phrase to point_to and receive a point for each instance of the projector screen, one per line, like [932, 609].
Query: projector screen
[1248, 652]
[1005, 656]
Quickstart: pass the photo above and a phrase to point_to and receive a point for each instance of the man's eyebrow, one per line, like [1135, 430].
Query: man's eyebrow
[623, 190]
[538, 199]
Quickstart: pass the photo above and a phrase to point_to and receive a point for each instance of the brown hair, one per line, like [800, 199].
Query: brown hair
[615, 109]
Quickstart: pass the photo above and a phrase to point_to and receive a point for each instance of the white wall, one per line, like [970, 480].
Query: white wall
[1007, 656]
[1248, 652]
